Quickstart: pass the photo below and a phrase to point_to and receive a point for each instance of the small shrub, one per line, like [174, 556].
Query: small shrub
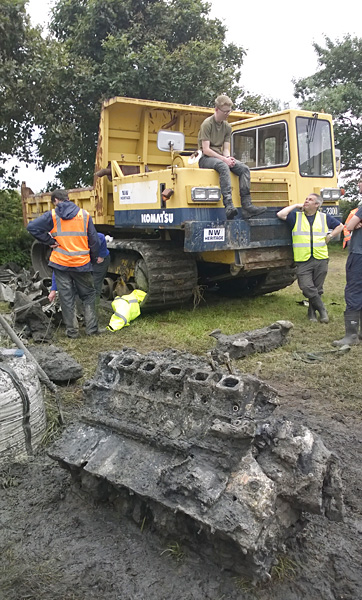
[15, 241]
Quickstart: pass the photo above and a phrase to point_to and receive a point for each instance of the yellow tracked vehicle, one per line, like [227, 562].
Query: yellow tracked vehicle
[166, 215]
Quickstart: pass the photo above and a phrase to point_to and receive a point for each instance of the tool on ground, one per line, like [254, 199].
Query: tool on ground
[320, 355]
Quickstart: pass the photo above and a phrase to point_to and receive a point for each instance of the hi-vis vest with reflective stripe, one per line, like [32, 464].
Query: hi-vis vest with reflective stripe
[72, 237]
[301, 237]
[126, 308]
[348, 234]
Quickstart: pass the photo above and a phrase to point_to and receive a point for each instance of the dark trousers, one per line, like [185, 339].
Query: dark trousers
[353, 289]
[99, 273]
[70, 284]
[311, 275]
[243, 172]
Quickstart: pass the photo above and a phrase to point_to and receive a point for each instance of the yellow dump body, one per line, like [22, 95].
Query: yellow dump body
[128, 135]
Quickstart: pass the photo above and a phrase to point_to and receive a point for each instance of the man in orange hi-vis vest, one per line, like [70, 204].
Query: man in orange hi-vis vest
[70, 232]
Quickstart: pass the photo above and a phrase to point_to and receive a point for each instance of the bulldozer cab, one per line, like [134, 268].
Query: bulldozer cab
[295, 144]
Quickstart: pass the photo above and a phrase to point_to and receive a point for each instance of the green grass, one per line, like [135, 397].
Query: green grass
[175, 551]
[189, 328]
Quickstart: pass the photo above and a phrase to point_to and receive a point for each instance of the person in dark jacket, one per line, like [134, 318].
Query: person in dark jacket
[70, 232]
[100, 269]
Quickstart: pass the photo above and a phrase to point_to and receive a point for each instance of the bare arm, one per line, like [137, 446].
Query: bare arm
[225, 157]
[107, 171]
[335, 232]
[284, 212]
[354, 223]
[226, 153]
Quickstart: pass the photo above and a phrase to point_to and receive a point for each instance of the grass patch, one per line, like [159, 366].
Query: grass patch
[174, 551]
[32, 579]
[188, 329]
[285, 569]
[7, 479]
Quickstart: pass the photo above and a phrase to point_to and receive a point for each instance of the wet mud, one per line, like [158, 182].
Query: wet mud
[59, 544]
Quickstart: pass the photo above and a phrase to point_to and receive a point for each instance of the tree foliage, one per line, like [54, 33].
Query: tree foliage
[336, 88]
[21, 62]
[166, 50]
[259, 104]
[15, 242]
[153, 49]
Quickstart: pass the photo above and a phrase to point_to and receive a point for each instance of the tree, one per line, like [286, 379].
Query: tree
[21, 60]
[166, 50]
[154, 49]
[336, 88]
[259, 104]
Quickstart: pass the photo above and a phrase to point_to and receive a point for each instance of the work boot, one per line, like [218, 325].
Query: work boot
[351, 323]
[248, 210]
[317, 304]
[230, 209]
[311, 313]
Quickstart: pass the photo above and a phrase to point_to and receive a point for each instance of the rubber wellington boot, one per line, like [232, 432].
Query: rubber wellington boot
[317, 304]
[230, 209]
[248, 210]
[311, 313]
[351, 323]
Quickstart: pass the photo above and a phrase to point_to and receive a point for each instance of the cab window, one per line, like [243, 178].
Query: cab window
[262, 147]
[314, 147]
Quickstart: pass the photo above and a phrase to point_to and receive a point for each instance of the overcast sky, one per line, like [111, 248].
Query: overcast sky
[277, 35]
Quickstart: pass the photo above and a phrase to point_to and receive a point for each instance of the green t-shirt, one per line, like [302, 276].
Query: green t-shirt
[215, 133]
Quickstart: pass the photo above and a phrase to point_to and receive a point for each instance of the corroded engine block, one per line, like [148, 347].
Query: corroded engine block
[199, 454]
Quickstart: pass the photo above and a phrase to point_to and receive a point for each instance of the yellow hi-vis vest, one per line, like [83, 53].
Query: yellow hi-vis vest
[126, 308]
[302, 239]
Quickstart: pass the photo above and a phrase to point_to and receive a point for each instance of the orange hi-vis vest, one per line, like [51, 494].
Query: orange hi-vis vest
[348, 234]
[72, 237]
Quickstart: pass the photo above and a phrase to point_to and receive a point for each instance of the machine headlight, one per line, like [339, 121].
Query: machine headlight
[331, 193]
[205, 194]
[214, 195]
[199, 194]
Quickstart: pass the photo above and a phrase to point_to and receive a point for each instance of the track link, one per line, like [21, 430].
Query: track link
[163, 270]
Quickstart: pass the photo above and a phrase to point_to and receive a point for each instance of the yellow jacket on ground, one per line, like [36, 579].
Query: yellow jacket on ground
[126, 308]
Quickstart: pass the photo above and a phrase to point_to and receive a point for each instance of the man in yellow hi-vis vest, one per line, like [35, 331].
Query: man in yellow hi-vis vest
[126, 308]
[312, 230]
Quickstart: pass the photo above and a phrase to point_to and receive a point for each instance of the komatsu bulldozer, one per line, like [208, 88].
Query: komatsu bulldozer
[166, 216]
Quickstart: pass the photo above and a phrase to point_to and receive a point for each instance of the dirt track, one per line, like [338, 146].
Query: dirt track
[56, 545]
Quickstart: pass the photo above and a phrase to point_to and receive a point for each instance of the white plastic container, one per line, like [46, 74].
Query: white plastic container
[22, 410]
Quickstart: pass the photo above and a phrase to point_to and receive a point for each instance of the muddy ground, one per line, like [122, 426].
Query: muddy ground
[57, 545]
